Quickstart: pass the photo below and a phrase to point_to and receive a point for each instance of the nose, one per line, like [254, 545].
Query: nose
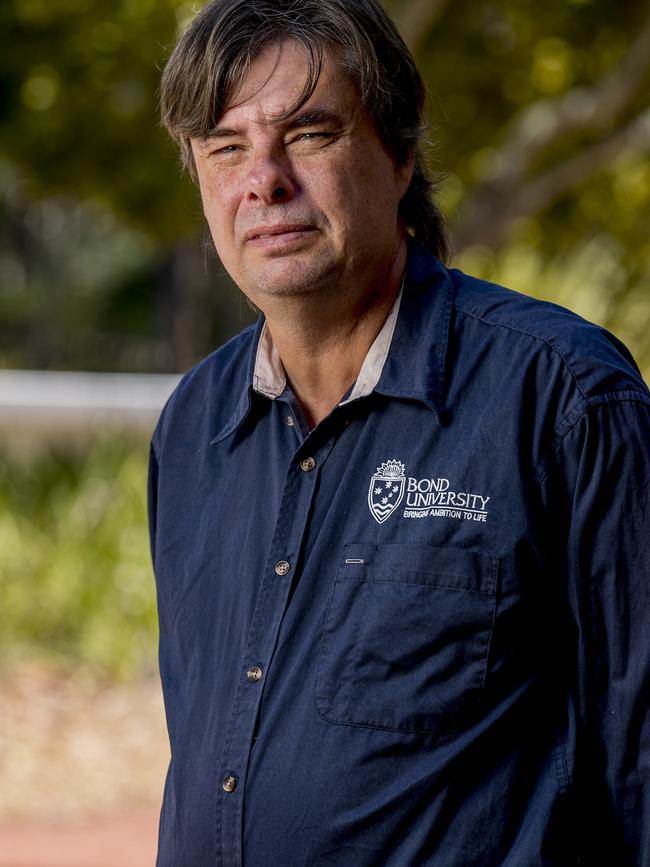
[270, 181]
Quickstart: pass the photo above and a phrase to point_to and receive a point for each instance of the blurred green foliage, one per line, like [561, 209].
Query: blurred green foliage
[80, 111]
[75, 573]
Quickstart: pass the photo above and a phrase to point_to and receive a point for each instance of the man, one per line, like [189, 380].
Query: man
[398, 526]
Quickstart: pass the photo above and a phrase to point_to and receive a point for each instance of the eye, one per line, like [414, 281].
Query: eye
[313, 136]
[224, 151]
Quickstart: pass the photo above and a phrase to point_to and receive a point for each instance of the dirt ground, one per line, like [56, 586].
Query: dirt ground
[114, 840]
[82, 768]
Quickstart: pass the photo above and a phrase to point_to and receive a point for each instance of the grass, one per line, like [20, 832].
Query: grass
[75, 573]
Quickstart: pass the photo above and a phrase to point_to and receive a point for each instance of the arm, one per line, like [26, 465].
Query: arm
[600, 485]
[152, 500]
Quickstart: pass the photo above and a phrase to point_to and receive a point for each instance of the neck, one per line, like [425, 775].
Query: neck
[323, 342]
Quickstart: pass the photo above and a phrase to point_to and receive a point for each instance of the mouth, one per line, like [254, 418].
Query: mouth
[274, 236]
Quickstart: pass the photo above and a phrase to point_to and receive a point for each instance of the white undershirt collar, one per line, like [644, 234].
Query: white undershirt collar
[270, 379]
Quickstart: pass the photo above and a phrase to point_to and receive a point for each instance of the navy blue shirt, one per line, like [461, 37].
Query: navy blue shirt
[418, 634]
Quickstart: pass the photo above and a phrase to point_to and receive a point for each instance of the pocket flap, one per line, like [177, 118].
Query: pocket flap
[450, 568]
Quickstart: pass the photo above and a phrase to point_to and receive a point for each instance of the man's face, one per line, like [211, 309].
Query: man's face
[306, 204]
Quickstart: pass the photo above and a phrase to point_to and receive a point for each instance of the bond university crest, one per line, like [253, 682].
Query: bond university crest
[386, 490]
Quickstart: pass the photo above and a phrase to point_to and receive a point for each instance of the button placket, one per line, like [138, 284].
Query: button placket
[290, 525]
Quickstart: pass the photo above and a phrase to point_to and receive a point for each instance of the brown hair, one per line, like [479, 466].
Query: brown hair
[214, 54]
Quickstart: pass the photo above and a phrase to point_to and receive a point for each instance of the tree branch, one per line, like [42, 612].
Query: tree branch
[543, 191]
[495, 212]
[579, 110]
[510, 193]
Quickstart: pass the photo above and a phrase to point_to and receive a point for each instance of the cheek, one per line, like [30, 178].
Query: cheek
[342, 192]
[371, 188]
[219, 206]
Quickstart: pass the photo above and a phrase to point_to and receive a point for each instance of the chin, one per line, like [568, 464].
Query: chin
[288, 289]
[287, 282]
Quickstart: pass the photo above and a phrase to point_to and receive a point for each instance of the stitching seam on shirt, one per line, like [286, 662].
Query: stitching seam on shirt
[523, 333]
[440, 734]
[624, 396]
[443, 354]
[561, 768]
[495, 602]
[543, 462]
[487, 593]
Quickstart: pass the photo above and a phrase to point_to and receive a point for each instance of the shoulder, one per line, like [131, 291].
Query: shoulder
[207, 395]
[598, 363]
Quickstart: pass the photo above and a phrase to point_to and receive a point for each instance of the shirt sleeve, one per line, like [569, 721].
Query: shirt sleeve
[599, 489]
[152, 500]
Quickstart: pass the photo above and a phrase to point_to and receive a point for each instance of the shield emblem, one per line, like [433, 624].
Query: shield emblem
[386, 490]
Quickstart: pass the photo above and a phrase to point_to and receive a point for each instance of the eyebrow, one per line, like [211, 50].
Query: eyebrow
[314, 116]
[306, 118]
[220, 132]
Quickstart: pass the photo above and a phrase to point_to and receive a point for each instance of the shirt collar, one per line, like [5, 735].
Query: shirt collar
[406, 360]
[270, 380]
[373, 364]
[416, 365]
[269, 377]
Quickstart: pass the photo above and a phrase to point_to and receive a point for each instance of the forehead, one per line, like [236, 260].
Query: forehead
[277, 77]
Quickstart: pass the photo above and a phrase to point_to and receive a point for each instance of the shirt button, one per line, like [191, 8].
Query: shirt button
[254, 674]
[290, 421]
[229, 783]
[282, 567]
[307, 465]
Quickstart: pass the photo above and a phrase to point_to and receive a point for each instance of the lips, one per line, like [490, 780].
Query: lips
[260, 233]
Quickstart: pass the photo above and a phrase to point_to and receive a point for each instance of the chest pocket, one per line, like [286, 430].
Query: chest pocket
[406, 638]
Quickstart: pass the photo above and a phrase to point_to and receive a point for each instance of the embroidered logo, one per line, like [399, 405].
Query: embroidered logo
[425, 498]
[386, 490]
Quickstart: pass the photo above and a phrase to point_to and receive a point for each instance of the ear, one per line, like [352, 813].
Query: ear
[404, 174]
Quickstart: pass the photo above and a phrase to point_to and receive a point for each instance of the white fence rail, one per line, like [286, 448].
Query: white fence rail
[44, 402]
